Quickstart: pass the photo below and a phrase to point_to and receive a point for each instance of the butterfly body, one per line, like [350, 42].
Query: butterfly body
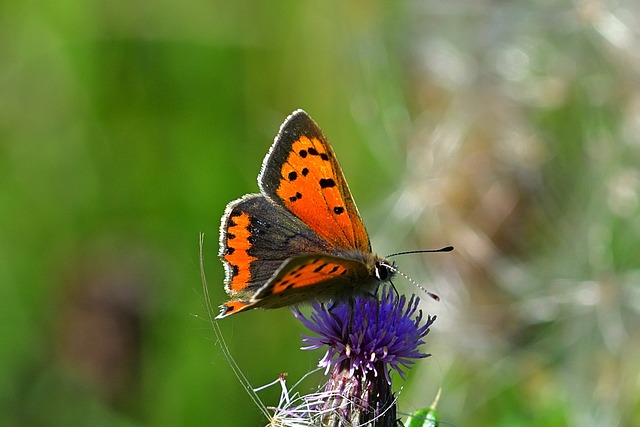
[302, 237]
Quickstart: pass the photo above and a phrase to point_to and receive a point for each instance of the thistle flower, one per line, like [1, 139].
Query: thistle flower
[365, 339]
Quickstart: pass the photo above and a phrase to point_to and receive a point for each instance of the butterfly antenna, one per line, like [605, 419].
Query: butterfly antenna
[422, 251]
[416, 284]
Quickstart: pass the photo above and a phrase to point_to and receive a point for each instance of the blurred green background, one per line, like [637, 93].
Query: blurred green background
[508, 129]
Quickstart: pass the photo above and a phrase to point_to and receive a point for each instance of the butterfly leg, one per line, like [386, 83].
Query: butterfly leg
[395, 290]
[330, 310]
[352, 309]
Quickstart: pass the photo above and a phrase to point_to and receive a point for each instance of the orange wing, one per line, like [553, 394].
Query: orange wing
[256, 237]
[309, 277]
[301, 173]
[233, 307]
[319, 277]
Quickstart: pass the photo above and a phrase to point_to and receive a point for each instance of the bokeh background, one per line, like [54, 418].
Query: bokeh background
[507, 129]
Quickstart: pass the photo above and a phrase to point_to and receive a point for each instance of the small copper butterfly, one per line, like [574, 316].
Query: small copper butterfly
[302, 237]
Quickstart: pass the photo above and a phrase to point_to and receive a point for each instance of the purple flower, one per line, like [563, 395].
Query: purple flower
[365, 338]
[380, 334]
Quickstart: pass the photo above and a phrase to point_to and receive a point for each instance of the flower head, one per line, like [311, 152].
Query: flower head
[368, 334]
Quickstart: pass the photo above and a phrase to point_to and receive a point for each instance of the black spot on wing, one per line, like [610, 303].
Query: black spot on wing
[295, 197]
[327, 183]
[313, 152]
[320, 267]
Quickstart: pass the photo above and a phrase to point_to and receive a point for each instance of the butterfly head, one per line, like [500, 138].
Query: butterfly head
[384, 271]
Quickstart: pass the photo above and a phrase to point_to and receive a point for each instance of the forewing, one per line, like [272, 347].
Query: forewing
[302, 174]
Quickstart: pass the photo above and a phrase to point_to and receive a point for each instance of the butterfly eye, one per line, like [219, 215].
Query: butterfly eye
[382, 272]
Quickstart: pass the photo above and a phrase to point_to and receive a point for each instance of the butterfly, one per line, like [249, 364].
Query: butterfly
[301, 238]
